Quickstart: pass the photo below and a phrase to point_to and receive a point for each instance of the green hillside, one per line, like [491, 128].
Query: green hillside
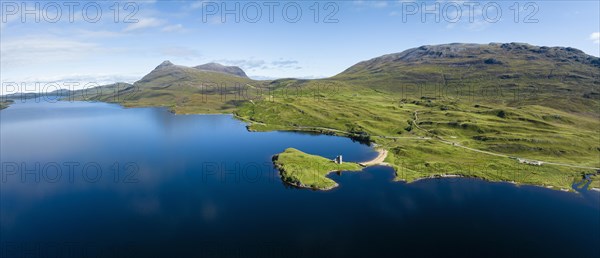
[513, 74]
[462, 109]
[429, 105]
[207, 88]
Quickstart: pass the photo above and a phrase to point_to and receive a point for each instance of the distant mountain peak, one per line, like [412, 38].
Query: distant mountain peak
[213, 64]
[215, 67]
[165, 63]
[476, 55]
[168, 74]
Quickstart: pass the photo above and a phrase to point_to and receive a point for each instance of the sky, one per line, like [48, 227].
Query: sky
[101, 42]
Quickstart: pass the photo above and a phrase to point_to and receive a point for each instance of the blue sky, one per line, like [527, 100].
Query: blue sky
[192, 32]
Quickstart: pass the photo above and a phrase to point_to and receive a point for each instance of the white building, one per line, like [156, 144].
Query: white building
[338, 159]
[530, 162]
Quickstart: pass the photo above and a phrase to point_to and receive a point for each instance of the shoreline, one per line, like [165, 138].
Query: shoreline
[436, 177]
[302, 186]
[549, 187]
[432, 177]
[379, 159]
[249, 122]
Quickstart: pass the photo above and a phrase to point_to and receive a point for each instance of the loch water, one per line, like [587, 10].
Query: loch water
[82, 179]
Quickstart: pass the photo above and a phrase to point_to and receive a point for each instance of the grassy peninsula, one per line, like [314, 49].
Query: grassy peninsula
[309, 171]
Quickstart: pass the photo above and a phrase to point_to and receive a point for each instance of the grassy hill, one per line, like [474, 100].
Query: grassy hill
[430, 104]
[210, 88]
[512, 74]
[465, 109]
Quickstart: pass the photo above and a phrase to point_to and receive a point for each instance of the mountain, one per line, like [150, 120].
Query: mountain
[447, 109]
[511, 74]
[494, 61]
[168, 75]
[205, 88]
[214, 67]
[460, 109]
[478, 55]
[507, 74]
[515, 73]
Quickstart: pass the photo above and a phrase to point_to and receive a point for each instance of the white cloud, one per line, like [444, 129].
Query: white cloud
[197, 4]
[477, 25]
[9, 19]
[144, 23]
[281, 63]
[595, 37]
[255, 65]
[173, 28]
[380, 4]
[98, 34]
[375, 4]
[29, 50]
[244, 64]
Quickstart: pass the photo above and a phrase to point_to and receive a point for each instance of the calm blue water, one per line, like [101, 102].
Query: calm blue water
[98, 180]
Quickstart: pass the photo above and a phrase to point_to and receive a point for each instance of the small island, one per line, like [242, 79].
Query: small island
[309, 171]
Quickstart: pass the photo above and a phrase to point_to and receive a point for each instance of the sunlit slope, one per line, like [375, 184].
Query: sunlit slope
[206, 88]
[437, 109]
[513, 74]
[514, 100]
